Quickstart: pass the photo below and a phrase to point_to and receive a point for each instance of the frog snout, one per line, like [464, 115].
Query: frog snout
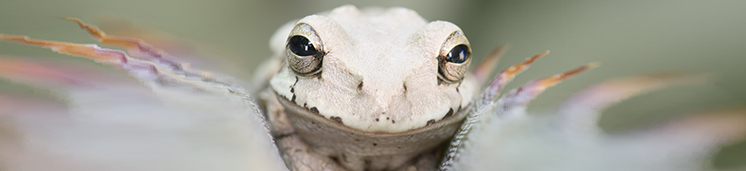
[383, 96]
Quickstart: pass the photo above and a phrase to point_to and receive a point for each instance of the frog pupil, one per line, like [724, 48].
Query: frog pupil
[301, 46]
[458, 54]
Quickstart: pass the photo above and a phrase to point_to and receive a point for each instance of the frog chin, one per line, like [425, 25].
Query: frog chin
[318, 131]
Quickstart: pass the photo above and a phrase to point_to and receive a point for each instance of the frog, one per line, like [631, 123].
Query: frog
[370, 89]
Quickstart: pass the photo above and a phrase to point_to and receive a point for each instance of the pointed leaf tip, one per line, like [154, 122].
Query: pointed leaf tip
[506, 75]
[520, 97]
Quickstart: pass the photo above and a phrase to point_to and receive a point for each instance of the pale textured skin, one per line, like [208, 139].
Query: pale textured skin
[377, 104]
[385, 50]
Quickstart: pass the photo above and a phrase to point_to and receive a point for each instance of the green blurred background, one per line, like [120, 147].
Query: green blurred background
[626, 37]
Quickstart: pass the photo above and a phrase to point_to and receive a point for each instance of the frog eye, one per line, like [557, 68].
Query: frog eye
[304, 50]
[454, 58]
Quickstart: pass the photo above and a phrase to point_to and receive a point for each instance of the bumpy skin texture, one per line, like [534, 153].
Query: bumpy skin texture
[379, 71]
[378, 102]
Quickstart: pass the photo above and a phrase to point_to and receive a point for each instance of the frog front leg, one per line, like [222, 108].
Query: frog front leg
[298, 156]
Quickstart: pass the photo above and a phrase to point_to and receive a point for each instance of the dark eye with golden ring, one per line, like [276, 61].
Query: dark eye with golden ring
[304, 50]
[454, 58]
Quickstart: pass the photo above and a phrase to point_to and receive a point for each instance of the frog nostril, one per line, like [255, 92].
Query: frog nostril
[360, 86]
[405, 87]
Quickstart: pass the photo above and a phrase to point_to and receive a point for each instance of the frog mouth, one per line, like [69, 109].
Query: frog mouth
[319, 131]
[312, 114]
